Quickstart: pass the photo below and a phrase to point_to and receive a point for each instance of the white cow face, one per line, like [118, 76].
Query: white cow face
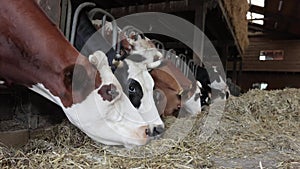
[138, 85]
[106, 115]
[193, 104]
[219, 86]
[145, 47]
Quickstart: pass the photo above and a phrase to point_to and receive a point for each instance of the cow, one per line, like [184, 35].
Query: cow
[35, 54]
[179, 90]
[214, 86]
[144, 51]
[131, 72]
[140, 44]
[172, 89]
[138, 85]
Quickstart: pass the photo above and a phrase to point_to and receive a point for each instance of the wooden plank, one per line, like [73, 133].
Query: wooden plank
[228, 22]
[200, 16]
[290, 63]
[166, 7]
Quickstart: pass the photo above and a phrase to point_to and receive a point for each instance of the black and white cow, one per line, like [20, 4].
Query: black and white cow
[132, 72]
[212, 82]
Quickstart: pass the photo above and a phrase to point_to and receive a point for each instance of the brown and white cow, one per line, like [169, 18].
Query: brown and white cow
[179, 90]
[34, 53]
[169, 80]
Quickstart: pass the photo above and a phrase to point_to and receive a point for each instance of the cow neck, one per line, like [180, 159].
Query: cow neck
[34, 51]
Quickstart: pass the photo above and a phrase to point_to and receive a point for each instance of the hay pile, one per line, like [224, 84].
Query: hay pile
[260, 128]
[237, 10]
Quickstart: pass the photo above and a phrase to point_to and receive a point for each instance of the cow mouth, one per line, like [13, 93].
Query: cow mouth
[156, 132]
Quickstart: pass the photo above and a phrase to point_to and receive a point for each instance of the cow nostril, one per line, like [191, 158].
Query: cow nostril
[178, 106]
[227, 95]
[147, 131]
[158, 130]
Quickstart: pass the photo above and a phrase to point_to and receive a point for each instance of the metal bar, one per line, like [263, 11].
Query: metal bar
[103, 25]
[191, 66]
[200, 16]
[69, 18]
[63, 16]
[177, 61]
[159, 45]
[75, 19]
[183, 60]
[115, 38]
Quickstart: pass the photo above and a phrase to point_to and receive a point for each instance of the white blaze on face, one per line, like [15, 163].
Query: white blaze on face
[147, 109]
[147, 49]
[114, 122]
[193, 104]
[221, 86]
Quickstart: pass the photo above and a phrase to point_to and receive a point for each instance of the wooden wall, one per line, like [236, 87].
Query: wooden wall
[275, 80]
[291, 62]
[278, 74]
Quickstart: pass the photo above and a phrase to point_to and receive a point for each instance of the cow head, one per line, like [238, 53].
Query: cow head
[138, 85]
[118, 120]
[143, 46]
[192, 102]
[218, 85]
[179, 91]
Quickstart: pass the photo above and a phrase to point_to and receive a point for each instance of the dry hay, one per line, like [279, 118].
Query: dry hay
[260, 128]
[237, 10]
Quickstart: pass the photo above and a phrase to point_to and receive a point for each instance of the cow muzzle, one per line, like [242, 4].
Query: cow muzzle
[155, 131]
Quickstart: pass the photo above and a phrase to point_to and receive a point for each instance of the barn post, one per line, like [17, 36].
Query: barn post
[240, 70]
[200, 16]
[224, 56]
[234, 71]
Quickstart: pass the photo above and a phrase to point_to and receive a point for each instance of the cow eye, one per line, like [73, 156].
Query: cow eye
[131, 89]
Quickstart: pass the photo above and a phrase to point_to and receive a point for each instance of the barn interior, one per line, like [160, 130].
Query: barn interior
[257, 42]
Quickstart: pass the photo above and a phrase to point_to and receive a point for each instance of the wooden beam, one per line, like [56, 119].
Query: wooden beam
[275, 16]
[200, 16]
[257, 9]
[228, 22]
[224, 56]
[166, 7]
[216, 43]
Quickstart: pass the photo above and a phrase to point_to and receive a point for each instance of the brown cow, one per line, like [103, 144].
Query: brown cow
[34, 53]
[179, 90]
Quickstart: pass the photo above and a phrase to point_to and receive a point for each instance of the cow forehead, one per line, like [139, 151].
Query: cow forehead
[139, 72]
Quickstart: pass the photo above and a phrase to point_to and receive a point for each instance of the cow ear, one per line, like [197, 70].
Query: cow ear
[153, 65]
[98, 59]
[108, 92]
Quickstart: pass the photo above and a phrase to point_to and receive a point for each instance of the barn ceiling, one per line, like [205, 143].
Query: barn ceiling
[274, 17]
